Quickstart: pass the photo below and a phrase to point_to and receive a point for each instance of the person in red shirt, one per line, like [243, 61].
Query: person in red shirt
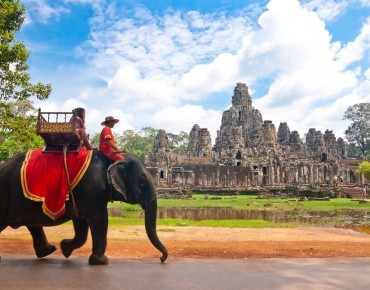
[106, 142]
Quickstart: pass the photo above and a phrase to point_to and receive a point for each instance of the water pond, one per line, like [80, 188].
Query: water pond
[338, 217]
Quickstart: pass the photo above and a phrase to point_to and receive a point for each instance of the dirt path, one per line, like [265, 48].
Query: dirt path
[200, 242]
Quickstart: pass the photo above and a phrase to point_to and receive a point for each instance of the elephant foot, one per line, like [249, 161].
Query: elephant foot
[66, 246]
[98, 260]
[45, 251]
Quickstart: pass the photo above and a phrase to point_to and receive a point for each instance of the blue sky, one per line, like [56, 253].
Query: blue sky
[172, 64]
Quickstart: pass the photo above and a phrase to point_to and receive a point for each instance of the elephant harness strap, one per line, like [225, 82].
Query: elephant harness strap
[68, 179]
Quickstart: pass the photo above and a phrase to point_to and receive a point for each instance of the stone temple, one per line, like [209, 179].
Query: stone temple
[250, 152]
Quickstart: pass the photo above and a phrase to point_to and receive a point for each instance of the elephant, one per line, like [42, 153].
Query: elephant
[132, 184]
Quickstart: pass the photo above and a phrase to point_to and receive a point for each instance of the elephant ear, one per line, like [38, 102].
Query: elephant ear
[115, 178]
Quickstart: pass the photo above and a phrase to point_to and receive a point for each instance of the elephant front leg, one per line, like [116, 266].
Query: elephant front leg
[40, 242]
[81, 228]
[99, 230]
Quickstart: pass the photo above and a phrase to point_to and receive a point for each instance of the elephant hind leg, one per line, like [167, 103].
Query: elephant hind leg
[81, 228]
[40, 242]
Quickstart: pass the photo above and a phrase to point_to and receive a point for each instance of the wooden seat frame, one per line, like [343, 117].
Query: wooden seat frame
[58, 129]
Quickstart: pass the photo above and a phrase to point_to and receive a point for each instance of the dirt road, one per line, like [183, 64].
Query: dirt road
[200, 242]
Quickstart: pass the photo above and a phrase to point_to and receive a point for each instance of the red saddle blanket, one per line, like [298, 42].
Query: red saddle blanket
[44, 178]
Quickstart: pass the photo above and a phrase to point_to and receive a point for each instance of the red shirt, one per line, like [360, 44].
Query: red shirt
[105, 134]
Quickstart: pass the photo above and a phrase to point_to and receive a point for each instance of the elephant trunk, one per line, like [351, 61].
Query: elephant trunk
[151, 227]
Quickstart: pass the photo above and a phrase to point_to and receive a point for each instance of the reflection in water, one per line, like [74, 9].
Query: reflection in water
[228, 213]
[339, 217]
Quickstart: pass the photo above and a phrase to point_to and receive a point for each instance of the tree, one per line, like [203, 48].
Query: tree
[364, 168]
[18, 134]
[94, 140]
[16, 123]
[178, 143]
[15, 81]
[359, 130]
[353, 151]
[139, 143]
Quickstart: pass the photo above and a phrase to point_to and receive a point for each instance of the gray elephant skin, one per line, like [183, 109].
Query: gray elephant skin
[132, 184]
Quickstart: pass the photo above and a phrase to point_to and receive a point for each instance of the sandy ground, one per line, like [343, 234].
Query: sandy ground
[200, 242]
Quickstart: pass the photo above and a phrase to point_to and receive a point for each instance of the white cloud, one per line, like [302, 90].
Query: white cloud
[123, 125]
[205, 79]
[41, 11]
[305, 72]
[152, 65]
[365, 3]
[176, 119]
[355, 50]
[163, 71]
[367, 73]
[170, 45]
[330, 117]
[327, 9]
[91, 2]
[128, 86]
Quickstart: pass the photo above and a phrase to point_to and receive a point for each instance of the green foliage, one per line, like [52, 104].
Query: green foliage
[358, 131]
[180, 149]
[364, 168]
[353, 151]
[178, 143]
[94, 140]
[139, 143]
[367, 150]
[254, 203]
[14, 80]
[11, 148]
[246, 202]
[17, 125]
[18, 129]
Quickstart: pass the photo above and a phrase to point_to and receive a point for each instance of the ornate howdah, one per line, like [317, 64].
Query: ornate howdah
[58, 129]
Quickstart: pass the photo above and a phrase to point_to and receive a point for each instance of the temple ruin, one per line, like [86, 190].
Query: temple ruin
[249, 152]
